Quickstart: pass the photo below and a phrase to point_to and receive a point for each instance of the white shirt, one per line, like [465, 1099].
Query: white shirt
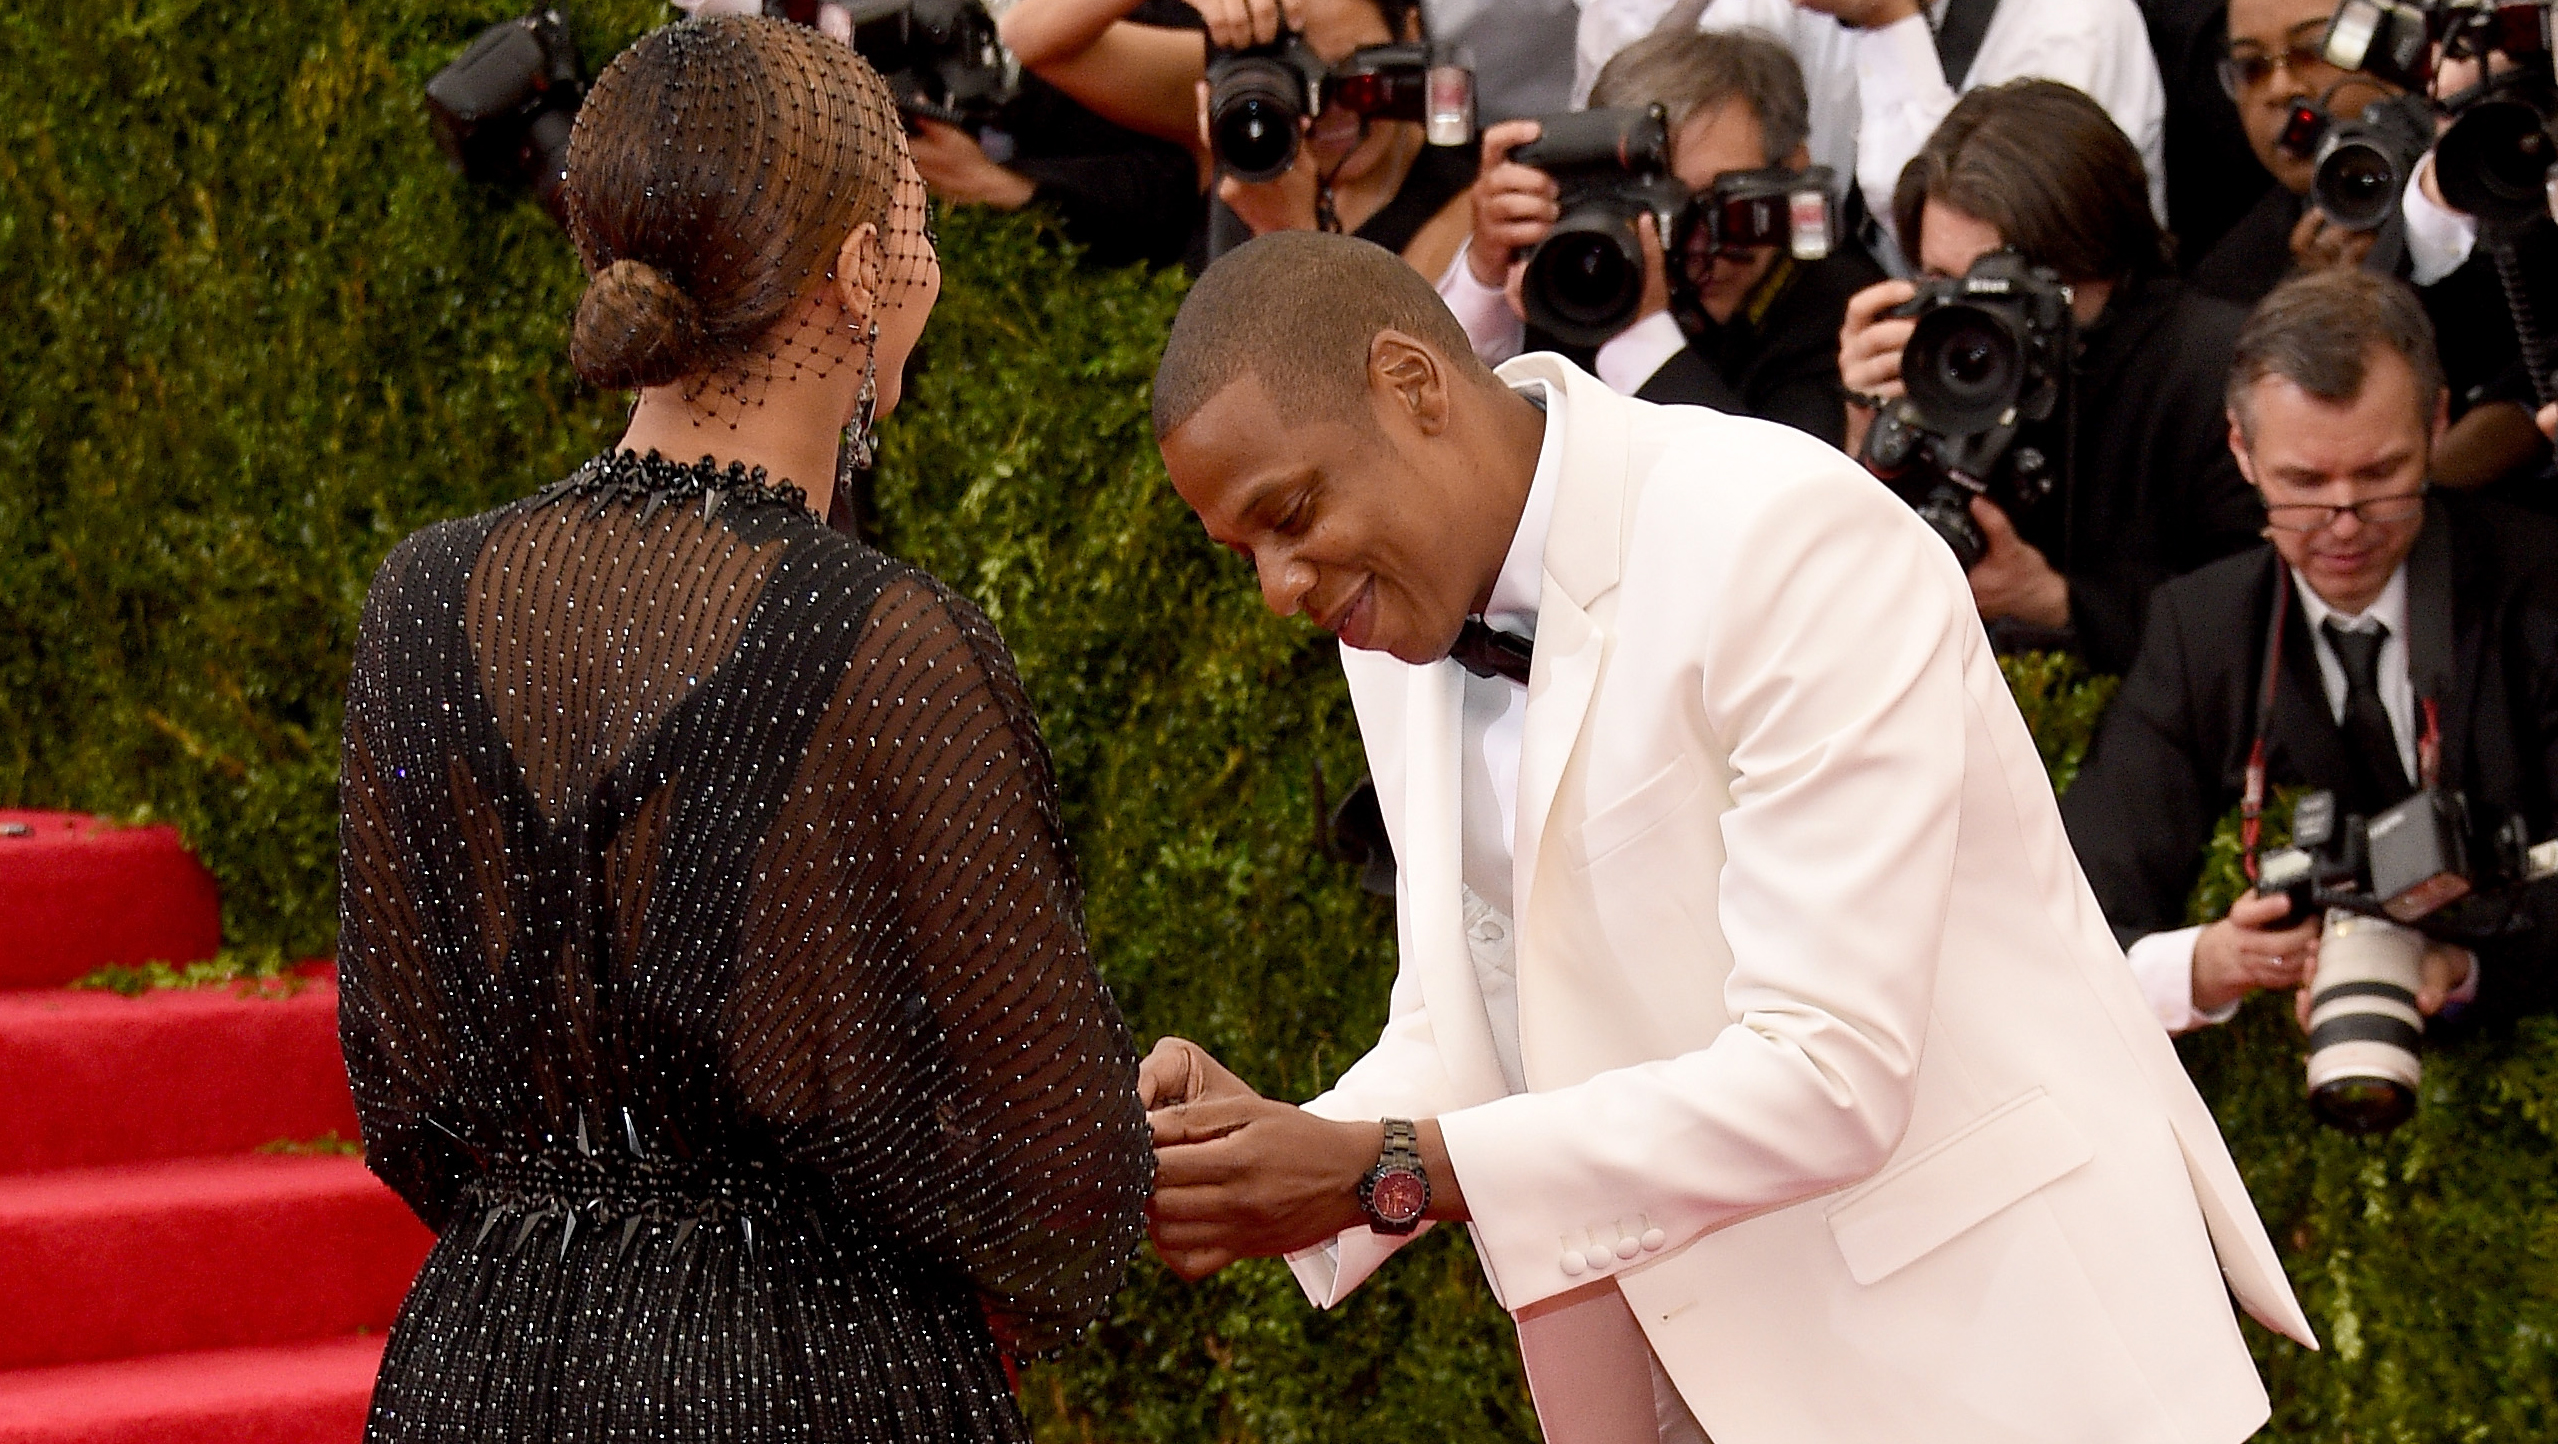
[1878, 94]
[1625, 361]
[2438, 237]
[2164, 962]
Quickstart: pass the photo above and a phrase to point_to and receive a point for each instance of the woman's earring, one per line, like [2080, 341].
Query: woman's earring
[861, 441]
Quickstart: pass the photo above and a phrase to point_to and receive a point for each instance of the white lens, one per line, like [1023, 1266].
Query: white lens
[2349, 34]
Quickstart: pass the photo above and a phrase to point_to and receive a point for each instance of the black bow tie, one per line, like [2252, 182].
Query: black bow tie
[1489, 653]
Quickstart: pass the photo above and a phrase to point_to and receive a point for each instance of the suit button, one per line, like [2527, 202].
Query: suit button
[1572, 1266]
[1653, 1238]
[1598, 1259]
[1487, 931]
[1626, 1248]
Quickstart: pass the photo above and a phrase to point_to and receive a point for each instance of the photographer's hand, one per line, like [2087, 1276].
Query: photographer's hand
[1656, 268]
[1284, 204]
[955, 167]
[2249, 950]
[2319, 244]
[1235, 24]
[1514, 205]
[2445, 971]
[1870, 344]
[2013, 578]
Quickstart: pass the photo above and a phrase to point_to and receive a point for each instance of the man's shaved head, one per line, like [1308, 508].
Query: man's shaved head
[1297, 310]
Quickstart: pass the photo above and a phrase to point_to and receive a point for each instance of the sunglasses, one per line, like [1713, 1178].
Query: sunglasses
[2247, 66]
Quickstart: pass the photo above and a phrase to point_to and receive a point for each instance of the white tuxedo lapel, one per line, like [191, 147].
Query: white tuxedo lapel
[1561, 682]
[1433, 880]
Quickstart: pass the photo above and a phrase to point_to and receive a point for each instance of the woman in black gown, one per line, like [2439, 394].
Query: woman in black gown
[713, 972]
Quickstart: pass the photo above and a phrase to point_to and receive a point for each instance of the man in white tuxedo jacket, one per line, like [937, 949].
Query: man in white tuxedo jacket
[1752, 1009]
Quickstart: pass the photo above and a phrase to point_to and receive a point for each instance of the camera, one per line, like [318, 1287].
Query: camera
[942, 59]
[2363, 165]
[1989, 356]
[1745, 210]
[2494, 161]
[2426, 867]
[1260, 97]
[1584, 281]
[502, 111]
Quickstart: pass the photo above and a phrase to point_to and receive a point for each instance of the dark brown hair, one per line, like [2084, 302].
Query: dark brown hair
[2319, 331]
[715, 171]
[2047, 167]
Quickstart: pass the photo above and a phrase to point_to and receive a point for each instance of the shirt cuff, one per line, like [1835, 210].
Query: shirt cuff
[1631, 356]
[1897, 65]
[2163, 965]
[2439, 238]
[1484, 311]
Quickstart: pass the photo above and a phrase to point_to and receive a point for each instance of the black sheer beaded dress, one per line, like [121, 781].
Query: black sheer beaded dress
[714, 982]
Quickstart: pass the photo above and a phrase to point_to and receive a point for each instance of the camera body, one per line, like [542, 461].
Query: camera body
[1584, 281]
[2363, 165]
[1989, 357]
[942, 59]
[1260, 97]
[2426, 867]
[2494, 161]
[503, 110]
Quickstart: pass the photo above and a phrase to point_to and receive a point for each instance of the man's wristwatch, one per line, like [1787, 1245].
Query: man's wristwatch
[1396, 1192]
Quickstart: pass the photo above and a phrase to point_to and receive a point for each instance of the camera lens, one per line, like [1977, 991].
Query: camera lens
[1947, 510]
[1585, 280]
[2364, 1027]
[2356, 185]
[2494, 162]
[1964, 367]
[1253, 113]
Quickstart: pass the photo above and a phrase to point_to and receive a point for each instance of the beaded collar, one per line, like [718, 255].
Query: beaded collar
[654, 481]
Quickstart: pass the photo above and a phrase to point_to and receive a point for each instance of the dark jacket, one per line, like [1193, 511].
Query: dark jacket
[2170, 760]
[2152, 492]
[1778, 357]
[2254, 253]
[1123, 196]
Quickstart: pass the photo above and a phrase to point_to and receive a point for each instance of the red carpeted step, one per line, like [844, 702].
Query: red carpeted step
[103, 1263]
[77, 893]
[93, 1078]
[308, 1393]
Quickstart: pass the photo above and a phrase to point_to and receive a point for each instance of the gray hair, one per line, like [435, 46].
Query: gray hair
[1684, 70]
[2318, 331]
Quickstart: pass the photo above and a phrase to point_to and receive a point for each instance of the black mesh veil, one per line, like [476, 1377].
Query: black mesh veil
[714, 979]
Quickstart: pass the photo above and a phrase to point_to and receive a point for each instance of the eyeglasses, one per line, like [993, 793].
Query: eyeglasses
[2304, 53]
[2370, 511]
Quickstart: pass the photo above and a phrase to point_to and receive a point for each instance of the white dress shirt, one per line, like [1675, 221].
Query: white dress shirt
[2164, 961]
[1878, 94]
[2439, 238]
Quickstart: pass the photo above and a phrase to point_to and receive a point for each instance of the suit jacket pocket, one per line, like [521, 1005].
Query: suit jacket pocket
[1901, 1215]
[1643, 807]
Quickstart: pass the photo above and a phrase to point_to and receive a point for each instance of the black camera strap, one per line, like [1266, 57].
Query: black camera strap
[1959, 36]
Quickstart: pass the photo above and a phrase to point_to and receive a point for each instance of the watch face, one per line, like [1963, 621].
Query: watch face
[1399, 1195]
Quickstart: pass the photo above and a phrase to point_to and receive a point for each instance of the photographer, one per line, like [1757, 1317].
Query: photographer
[2145, 489]
[1374, 179]
[2335, 404]
[1745, 332]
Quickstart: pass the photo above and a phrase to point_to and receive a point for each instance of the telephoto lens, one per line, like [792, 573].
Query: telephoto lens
[1258, 100]
[2364, 1028]
[1584, 281]
[2494, 162]
[2363, 166]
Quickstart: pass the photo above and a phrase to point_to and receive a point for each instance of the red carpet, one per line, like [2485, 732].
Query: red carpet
[160, 1279]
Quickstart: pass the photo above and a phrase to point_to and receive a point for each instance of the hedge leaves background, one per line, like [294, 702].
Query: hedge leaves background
[256, 333]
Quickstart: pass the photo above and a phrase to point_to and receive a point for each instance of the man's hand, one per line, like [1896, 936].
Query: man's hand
[955, 167]
[1180, 1072]
[2013, 578]
[2547, 421]
[2443, 971]
[1871, 342]
[1515, 206]
[2251, 949]
[1656, 268]
[1235, 24]
[1284, 204]
[1862, 14]
[1244, 1177]
[2319, 244]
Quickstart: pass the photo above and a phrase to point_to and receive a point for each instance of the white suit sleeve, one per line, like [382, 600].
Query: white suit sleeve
[1843, 787]
[1484, 311]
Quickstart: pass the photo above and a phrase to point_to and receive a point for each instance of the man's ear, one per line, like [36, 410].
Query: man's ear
[1406, 375]
[2442, 419]
[2238, 446]
[859, 272]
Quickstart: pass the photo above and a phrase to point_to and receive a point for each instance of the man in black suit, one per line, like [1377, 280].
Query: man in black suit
[2335, 401]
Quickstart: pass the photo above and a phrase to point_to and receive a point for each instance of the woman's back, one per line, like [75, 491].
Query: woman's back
[714, 981]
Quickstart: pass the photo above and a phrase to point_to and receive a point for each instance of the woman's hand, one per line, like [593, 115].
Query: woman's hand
[1235, 24]
[1515, 206]
[1284, 204]
[2319, 244]
[1870, 341]
[955, 167]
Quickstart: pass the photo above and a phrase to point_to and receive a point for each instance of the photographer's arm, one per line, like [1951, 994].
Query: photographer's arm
[1140, 76]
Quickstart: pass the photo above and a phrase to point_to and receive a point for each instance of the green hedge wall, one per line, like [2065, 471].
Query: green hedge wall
[257, 333]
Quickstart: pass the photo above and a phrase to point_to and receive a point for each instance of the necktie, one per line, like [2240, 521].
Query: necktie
[2366, 721]
[1489, 653]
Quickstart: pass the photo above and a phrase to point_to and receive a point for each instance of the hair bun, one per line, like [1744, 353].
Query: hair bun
[636, 327]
